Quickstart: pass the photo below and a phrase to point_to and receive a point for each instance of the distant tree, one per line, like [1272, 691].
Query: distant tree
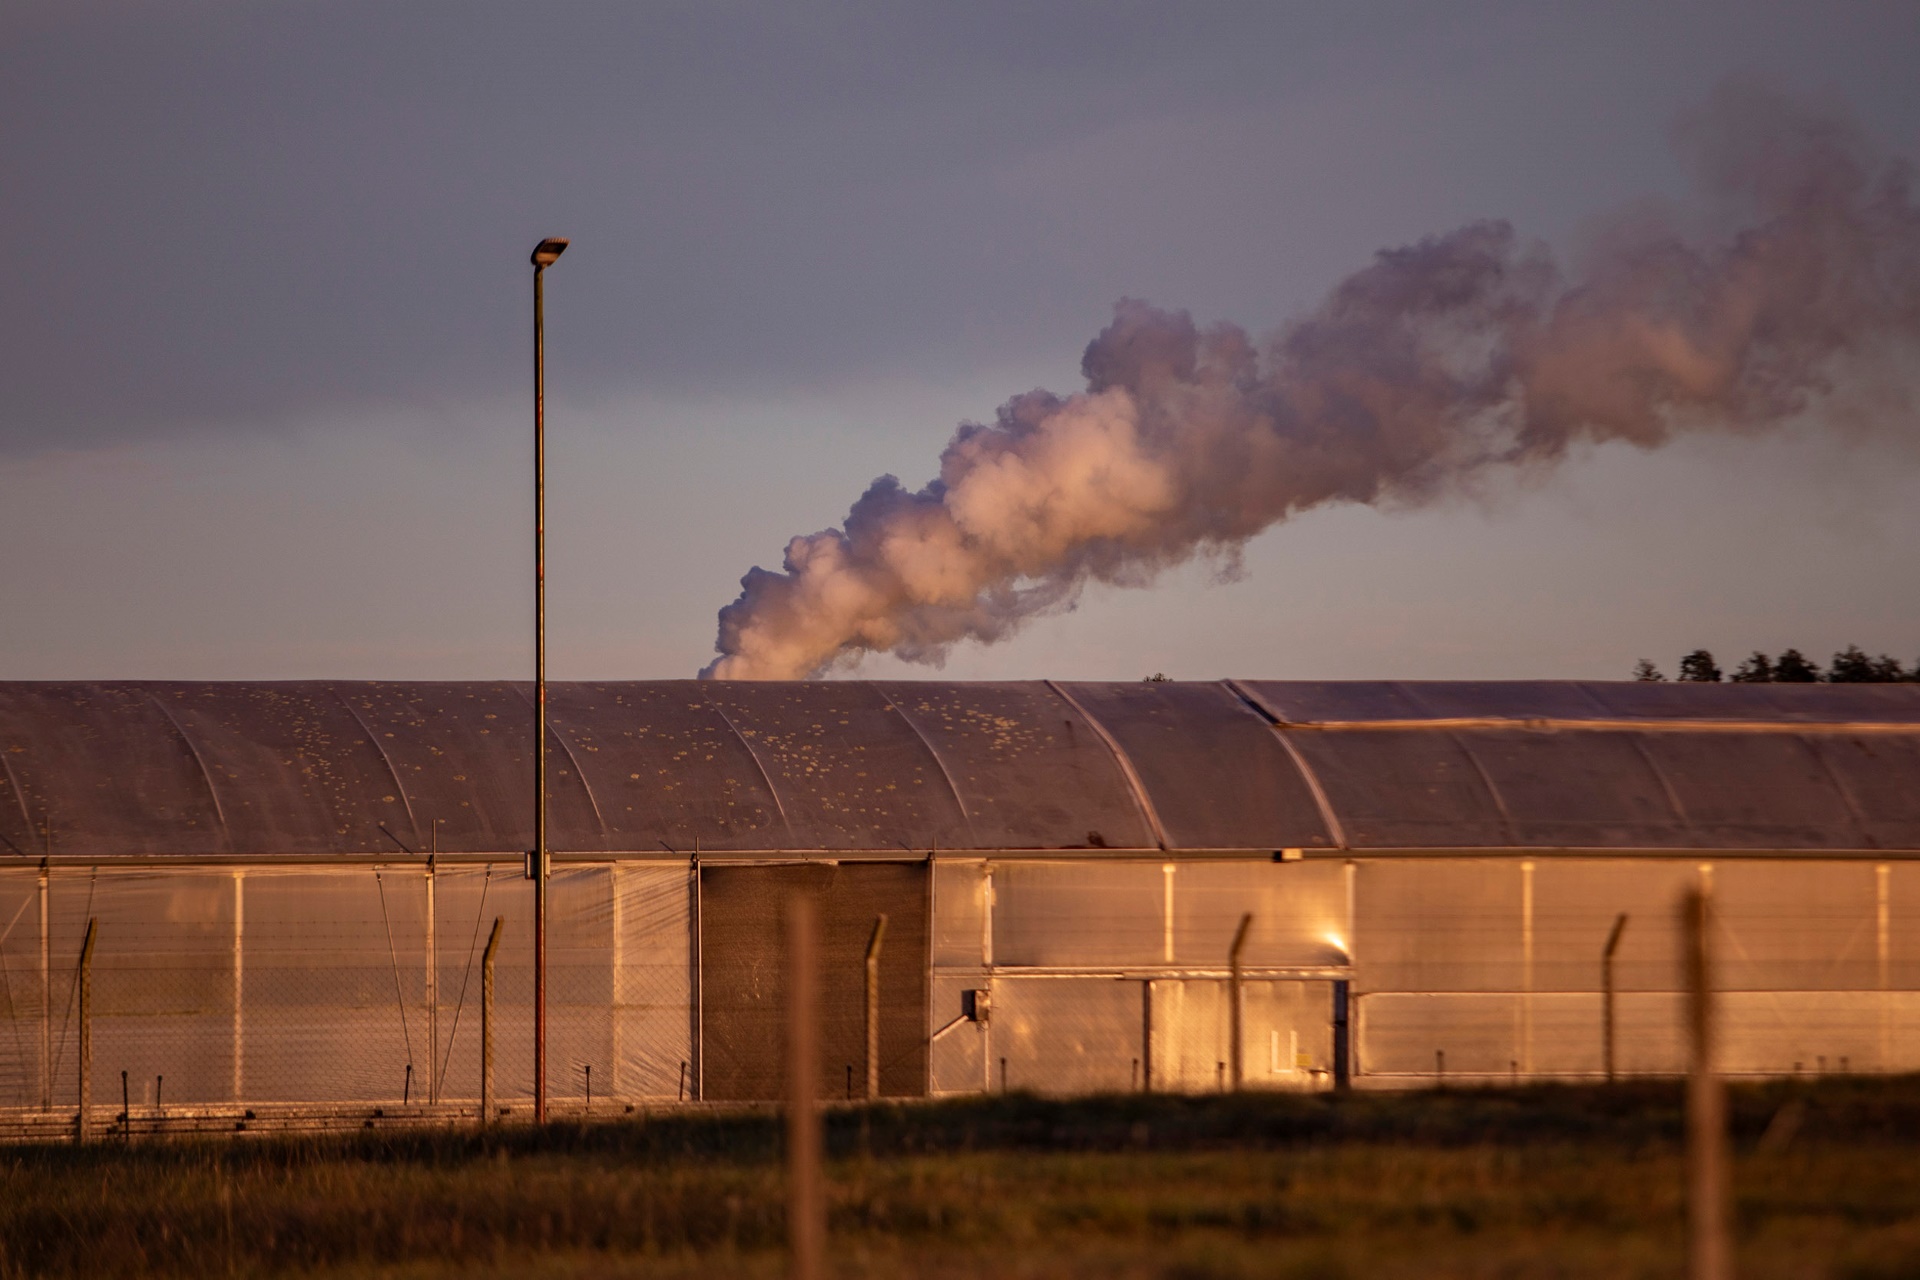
[1698, 668]
[1757, 669]
[1645, 671]
[1792, 667]
[1852, 666]
[1158, 677]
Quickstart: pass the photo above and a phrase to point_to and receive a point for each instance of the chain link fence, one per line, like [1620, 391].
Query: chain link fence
[340, 986]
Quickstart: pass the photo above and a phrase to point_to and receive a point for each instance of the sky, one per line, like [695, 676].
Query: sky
[265, 324]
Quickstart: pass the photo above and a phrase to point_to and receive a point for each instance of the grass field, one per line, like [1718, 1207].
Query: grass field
[1550, 1182]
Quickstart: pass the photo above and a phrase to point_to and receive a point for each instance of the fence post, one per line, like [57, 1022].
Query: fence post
[433, 984]
[239, 983]
[1606, 993]
[873, 1006]
[806, 1226]
[1709, 1256]
[86, 1030]
[1235, 1013]
[46, 1001]
[1342, 1034]
[486, 1024]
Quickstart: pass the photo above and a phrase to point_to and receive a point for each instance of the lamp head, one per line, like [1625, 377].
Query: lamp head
[548, 251]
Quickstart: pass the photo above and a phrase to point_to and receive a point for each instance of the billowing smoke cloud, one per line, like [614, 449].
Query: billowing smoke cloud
[1442, 361]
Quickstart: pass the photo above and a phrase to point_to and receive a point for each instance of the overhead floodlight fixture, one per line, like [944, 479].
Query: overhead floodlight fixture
[548, 251]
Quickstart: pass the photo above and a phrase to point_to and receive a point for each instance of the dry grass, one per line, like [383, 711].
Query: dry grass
[1538, 1182]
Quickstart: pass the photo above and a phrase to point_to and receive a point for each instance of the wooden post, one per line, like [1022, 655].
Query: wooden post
[486, 1024]
[1709, 1255]
[1883, 938]
[1606, 993]
[873, 1006]
[86, 1030]
[1524, 1030]
[1235, 1013]
[806, 1225]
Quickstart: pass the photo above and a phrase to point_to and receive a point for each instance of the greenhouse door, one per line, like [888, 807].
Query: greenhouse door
[1286, 1034]
[743, 989]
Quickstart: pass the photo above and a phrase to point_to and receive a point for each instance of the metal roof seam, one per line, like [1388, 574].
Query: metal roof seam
[1335, 828]
[555, 735]
[399, 785]
[19, 799]
[939, 762]
[1667, 788]
[581, 774]
[1486, 780]
[213, 793]
[1558, 725]
[1127, 771]
[1254, 700]
[779, 805]
[1839, 785]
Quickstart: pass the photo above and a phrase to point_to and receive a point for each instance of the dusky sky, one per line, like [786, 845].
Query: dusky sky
[266, 325]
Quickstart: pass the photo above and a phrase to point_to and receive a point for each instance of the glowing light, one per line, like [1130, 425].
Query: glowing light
[1335, 941]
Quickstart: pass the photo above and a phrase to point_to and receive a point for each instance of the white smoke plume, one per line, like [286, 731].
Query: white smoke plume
[1441, 361]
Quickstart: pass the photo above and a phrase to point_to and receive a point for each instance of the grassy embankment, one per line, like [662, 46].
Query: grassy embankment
[1561, 1182]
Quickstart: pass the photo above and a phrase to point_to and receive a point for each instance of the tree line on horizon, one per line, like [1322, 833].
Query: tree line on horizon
[1849, 666]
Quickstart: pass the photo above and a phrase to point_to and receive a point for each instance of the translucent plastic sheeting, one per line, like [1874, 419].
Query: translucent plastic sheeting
[1515, 765]
[317, 767]
[1876, 776]
[1561, 1034]
[1079, 915]
[1029, 770]
[313, 768]
[1901, 881]
[1286, 1035]
[1397, 789]
[1755, 791]
[1298, 909]
[1441, 924]
[1575, 790]
[1496, 787]
[1795, 926]
[1576, 901]
[1067, 1035]
[1216, 775]
[1542, 924]
[1506, 1034]
[960, 913]
[958, 1049]
[344, 985]
[1356, 701]
[1170, 1035]
[1139, 913]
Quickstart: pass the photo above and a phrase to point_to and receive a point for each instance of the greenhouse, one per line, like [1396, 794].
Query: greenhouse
[1086, 886]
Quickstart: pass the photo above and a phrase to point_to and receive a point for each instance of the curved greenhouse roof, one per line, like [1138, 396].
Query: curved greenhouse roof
[892, 769]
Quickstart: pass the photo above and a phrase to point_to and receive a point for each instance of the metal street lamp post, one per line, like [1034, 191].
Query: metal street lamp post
[545, 254]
